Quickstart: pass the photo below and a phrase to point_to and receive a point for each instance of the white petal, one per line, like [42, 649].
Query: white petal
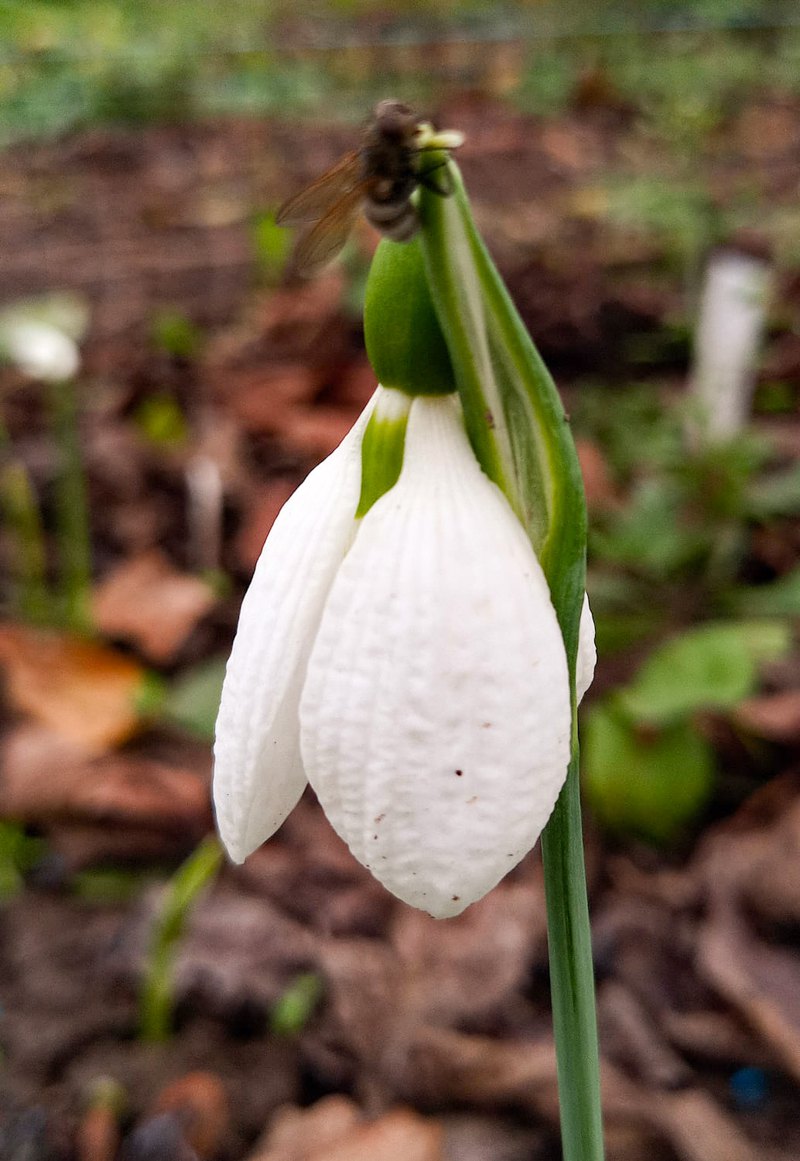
[435, 717]
[258, 774]
[42, 350]
[587, 652]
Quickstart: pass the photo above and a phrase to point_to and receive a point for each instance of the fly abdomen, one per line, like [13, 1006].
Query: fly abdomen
[397, 221]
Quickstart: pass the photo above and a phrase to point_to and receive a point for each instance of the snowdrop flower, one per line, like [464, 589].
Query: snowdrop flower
[408, 664]
[41, 350]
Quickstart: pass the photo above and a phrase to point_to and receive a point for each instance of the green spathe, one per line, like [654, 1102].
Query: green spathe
[404, 341]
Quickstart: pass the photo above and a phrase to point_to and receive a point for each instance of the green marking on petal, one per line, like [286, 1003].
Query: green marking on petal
[382, 447]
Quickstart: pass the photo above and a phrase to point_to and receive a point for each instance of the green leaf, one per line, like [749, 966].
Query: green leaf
[19, 853]
[712, 667]
[193, 701]
[777, 494]
[651, 783]
[272, 245]
[780, 598]
[176, 335]
[292, 1011]
[161, 421]
[182, 891]
[650, 535]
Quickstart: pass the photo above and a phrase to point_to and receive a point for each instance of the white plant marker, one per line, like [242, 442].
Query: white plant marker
[732, 312]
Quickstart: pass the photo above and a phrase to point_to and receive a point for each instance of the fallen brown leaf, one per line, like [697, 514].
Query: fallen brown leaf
[332, 1130]
[769, 891]
[200, 1103]
[45, 779]
[447, 1066]
[761, 981]
[699, 1129]
[478, 962]
[775, 716]
[97, 1135]
[400, 1135]
[148, 602]
[85, 691]
[631, 1037]
[294, 1131]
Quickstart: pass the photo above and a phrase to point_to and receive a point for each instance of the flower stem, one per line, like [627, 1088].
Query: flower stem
[571, 974]
[72, 509]
[21, 513]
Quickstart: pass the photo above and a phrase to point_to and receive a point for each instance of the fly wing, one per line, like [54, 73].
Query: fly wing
[313, 202]
[326, 238]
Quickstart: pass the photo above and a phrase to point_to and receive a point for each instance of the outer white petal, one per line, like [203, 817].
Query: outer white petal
[42, 350]
[587, 653]
[258, 774]
[435, 717]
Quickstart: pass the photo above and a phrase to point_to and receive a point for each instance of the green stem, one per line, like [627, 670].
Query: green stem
[72, 510]
[520, 435]
[156, 1001]
[22, 515]
[571, 974]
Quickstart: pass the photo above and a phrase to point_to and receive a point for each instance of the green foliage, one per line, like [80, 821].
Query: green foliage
[66, 317]
[685, 83]
[19, 853]
[181, 893]
[30, 596]
[679, 211]
[549, 80]
[676, 545]
[292, 1011]
[161, 421]
[672, 551]
[648, 771]
[176, 335]
[649, 783]
[780, 598]
[272, 244]
[109, 885]
[774, 494]
[192, 701]
[67, 64]
[711, 667]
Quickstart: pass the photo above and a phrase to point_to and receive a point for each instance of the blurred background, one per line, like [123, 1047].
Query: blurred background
[166, 383]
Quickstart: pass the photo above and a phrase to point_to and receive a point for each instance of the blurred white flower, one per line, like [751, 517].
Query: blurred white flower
[409, 665]
[40, 349]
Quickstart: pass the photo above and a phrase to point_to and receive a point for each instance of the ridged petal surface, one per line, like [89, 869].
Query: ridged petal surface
[258, 774]
[435, 717]
[587, 651]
